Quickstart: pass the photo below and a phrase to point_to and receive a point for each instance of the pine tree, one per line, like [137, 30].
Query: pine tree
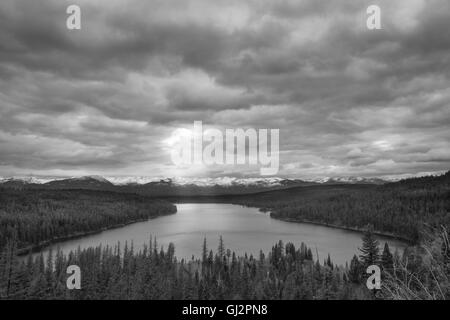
[171, 252]
[309, 255]
[221, 248]
[204, 251]
[354, 273]
[387, 259]
[328, 262]
[369, 251]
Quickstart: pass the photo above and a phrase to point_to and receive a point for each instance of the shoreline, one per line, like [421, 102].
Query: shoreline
[354, 229]
[266, 210]
[43, 244]
[38, 247]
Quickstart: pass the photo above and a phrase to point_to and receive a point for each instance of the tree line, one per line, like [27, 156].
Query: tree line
[33, 217]
[286, 272]
[400, 209]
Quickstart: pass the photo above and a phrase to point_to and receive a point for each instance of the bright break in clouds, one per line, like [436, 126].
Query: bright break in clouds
[105, 98]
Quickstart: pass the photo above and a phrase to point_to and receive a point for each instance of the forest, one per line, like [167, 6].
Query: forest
[35, 217]
[286, 272]
[401, 209]
[415, 209]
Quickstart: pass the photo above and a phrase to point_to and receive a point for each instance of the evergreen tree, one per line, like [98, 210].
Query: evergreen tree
[221, 248]
[309, 254]
[328, 262]
[204, 251]
[387, 259]
[370, 250]
[354, 273]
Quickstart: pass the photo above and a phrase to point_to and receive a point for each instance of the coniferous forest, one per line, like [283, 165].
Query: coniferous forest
[35, 217]
[416, 208]
[286, 272]
[400, 209]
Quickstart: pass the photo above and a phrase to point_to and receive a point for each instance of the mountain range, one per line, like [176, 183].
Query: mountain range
[173, 187]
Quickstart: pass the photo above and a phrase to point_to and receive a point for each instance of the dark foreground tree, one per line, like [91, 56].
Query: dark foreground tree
[354, 273]
[110, 273]
[387, 259]
[370, 250]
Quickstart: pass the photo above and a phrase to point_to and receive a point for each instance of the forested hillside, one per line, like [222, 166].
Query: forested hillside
[286, 272]
[400, 208]
[33, 217]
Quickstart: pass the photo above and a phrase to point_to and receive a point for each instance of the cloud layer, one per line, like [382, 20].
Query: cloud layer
[104, 99]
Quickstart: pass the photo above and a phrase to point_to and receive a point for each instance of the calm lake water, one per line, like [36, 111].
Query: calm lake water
[244, 230]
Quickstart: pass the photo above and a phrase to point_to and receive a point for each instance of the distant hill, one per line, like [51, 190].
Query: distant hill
[169, 187]
[89, 182]
[400, 208]
[165, 187]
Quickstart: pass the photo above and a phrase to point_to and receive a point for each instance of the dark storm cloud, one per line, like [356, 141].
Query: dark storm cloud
[104, 99]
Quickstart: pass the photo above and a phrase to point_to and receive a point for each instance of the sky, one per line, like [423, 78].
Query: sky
[107, 99]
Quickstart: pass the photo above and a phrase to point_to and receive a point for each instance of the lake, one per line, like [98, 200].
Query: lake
[244, 230]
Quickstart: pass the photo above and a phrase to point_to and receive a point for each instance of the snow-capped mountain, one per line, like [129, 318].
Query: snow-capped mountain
[156, 186]
[352, 180]
[179, 181]
[160, 186]
[223, 181]
[177, 186]
[201, 182]
[28, 179]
